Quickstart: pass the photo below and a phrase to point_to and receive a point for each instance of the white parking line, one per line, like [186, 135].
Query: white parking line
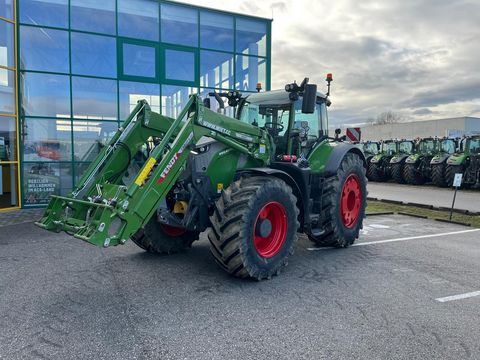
[406, 238]
[459, 297]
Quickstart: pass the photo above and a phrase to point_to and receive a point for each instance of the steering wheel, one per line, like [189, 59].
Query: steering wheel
[274, 128]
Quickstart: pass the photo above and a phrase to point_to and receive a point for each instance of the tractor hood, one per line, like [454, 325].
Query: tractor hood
[398, 158]
[412, 159]
[439, 158]
[457, 159]
[275, 97]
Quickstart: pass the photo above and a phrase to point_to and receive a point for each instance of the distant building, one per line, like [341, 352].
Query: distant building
[409, 130]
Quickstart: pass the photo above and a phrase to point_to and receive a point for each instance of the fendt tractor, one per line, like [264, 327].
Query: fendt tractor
[466, 162]
[397, 162]
[438, 165]
[417, 170]
[252, 182]
[369, 149]
[380, 167]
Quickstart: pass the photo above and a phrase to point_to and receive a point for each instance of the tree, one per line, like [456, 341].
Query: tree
[388, 117]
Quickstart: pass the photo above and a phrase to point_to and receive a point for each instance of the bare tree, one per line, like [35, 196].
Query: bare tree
[388, 117]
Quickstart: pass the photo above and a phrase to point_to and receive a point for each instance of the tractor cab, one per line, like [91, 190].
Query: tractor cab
[293, 129]
[389, 147]
[448, 146]
[428, 146]
[473, 146]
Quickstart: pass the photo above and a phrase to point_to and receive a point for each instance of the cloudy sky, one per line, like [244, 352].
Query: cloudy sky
[420, 58]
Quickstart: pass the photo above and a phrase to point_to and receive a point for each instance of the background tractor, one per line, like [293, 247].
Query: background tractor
[417, 170]
[380, 168]
[397, 163]
[369, 149]
[466, 162]
[438, 164]
[251, 182]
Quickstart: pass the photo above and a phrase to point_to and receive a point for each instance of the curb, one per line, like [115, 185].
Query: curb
[424, 206]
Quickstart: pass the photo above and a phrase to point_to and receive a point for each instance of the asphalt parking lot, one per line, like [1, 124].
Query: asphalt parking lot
[393, 295]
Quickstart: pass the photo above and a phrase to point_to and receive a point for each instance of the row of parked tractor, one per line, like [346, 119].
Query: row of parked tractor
[421, 161]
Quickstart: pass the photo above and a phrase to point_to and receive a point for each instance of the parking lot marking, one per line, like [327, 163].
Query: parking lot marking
[459, 297]
[406, 238]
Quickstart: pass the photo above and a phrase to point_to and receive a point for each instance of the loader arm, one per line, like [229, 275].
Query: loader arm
[104, 210]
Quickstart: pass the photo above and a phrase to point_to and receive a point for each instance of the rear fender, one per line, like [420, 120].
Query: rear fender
[337, 155]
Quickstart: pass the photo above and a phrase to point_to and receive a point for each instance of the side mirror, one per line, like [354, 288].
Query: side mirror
[309, 99]
[338, 131]
[206, 103]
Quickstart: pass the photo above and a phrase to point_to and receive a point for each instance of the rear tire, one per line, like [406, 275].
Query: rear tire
[397, 172]
[158, 238]
[342, 223]
[411, 176]
[439, 175]
[254, 227]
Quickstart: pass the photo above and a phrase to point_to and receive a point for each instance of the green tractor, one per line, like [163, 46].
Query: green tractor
[252, 182]
[466, 162]
[438, 164]
[380, 168]
[369, 149]
[397, 163]
[417, 170]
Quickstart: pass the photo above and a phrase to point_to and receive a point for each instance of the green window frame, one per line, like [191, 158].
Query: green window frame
[149, 44]
[196, 54]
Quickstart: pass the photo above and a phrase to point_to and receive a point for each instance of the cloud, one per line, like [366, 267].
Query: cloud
[423, 111]
[411, 57]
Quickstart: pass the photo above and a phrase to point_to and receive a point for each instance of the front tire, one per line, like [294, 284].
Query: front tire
[397, 173]
[412, 176]
[164, 239]
[439, 175]
[343, 204]
[451, 171]
[254, 227]
[377, 173]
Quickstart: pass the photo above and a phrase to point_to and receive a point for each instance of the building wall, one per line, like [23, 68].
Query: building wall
[85, 64]
[411, 130]
[9, 155]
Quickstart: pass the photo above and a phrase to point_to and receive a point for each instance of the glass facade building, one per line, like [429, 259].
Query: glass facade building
[71, 71]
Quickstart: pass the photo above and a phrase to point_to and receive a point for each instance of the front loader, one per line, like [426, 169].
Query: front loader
[251, 182]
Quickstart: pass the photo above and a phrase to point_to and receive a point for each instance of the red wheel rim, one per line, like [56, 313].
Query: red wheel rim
[351, 201]
[172, 230]
[270, 229]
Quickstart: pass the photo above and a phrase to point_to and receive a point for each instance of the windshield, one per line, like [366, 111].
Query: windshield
[448, 146]
[275, 116]
[313, 125]
[406, 147]
[427, 146]
[389, 147]
[474, 146]
[371, 148]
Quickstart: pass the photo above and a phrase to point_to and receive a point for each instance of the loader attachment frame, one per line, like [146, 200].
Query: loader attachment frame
[104, 211]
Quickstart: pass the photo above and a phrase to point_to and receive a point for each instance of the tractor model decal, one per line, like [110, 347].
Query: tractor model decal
[174, 159]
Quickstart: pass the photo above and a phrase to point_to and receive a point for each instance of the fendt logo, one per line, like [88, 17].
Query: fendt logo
[173, 160]
[169, 166]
